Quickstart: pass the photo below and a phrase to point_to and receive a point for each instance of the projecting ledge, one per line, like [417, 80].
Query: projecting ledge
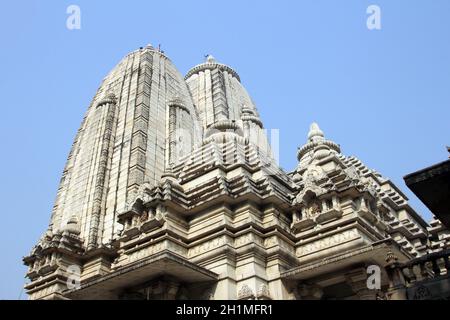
[164, 263]
[374, 253]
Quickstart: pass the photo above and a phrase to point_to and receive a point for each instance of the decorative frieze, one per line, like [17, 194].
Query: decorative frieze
[328, 242]
[197, 250]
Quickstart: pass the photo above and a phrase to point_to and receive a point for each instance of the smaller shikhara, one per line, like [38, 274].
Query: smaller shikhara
[171, 191]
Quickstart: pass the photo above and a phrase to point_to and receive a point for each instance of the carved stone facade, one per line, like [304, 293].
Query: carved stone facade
[171, 191]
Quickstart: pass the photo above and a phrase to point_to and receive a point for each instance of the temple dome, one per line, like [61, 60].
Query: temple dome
[224, 105]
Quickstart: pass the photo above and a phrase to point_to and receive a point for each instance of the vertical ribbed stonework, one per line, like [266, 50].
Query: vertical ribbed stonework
[224, 104]
[139, 136]
[172, 134]
[180, 137]
[65, 179]
[221, 111]
[124, 76]
[145, 84]
[93, 193]
[106, 112]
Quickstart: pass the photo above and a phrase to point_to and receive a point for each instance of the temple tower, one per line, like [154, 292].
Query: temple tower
[171, 191]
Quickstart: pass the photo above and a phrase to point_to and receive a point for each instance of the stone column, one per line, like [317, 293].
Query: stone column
[397, 283]
[357, 279]
[309, 291]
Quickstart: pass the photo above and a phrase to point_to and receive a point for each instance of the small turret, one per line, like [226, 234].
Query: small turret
[317, 147]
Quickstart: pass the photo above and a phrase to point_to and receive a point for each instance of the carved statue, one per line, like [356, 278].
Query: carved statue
[314, 209]
[245, 292]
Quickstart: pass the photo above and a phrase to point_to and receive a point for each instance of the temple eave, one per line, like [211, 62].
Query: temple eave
[164, 263]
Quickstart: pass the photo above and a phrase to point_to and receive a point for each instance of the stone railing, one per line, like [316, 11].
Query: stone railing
[427, 267]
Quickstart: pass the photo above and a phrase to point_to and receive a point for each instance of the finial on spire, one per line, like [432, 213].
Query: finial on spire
[315, 133]
[210, 59]
[317, 146]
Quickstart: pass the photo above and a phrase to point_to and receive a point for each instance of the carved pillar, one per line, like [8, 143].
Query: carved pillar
[172, 290]
[335, 202]
[397, 283]
[361, 290]
[296, 216]
[164, 289]
[357, 279]
[309, 291]
[363, 205]
[324, 205]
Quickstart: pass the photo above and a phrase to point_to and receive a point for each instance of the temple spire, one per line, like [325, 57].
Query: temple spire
[210, 59]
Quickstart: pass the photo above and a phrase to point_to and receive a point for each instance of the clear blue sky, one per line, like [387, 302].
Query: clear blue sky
[383, 95]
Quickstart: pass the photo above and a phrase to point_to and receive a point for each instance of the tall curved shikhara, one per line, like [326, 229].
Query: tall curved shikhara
[171, 191]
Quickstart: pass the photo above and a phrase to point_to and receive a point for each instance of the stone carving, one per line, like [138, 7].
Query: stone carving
[314, 208]
[309, 291]
[327, 242]
[391, 258]
[208, 295]
[144, 216]
[352, 174]
[245, 293]
[142, 193]
[207, 246]
[422, 293]
[73, 226]
[263, 292]
[314, 180]
[138, 255]
[369, 187]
